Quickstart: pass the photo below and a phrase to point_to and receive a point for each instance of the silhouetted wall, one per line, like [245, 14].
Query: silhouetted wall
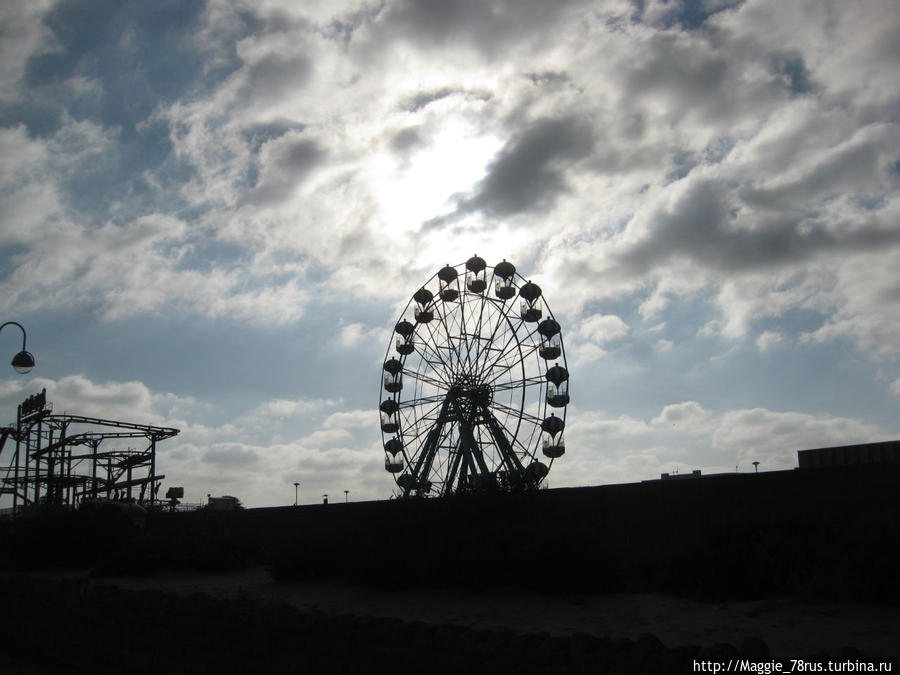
[823, 533]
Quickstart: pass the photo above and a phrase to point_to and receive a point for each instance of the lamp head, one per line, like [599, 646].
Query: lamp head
[23, 362]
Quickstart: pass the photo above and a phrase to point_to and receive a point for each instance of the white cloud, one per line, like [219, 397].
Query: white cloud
[23, 33]
[354, 333]
[588, 340]
[775, 437]
[768, 340]
[664, 346]
[686, 415]
[281, 408]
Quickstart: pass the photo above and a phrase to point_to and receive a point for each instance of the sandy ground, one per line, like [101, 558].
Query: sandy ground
[789, 627]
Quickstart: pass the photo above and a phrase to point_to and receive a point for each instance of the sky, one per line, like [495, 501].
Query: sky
[213, 213]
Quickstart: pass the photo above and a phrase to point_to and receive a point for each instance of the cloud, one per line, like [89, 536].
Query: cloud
[775, 437]
[528, 173]
[768, 340]
[285, 161]
[895, 387]
[231, 456]
[588, 341]
[686, 415]
[78, 395]
[22, 34]
[281, 408]
[490, 28]
[602, 328]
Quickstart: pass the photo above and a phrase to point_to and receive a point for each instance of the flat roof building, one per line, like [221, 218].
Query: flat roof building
[850, 455]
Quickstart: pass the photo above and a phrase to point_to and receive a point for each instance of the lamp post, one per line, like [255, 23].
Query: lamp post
[22, 362]
[296, 492]
[346, 495]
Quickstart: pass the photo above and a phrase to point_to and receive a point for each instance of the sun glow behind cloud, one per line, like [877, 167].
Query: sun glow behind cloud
[449, 162]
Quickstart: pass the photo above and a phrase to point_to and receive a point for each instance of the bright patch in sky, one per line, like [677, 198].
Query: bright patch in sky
[412, 189]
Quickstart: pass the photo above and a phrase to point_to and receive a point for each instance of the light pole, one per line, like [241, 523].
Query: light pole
[346, 495]
[23, 362]
[296, 492]
[755, 467]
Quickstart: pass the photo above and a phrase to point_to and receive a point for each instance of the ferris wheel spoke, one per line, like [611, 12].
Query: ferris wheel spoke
[421, 407]
[429, 352]
[477, 331]
[533, 381]
[528, 417]
[434, 347]
[422, 377]
[504, 369]
[507, 347]
[502, 321]
[453, 347]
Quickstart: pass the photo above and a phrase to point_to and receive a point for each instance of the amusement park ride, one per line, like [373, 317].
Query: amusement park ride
[475, 386]
[64, 460]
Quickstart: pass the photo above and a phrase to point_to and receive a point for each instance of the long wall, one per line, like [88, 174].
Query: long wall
[737, 535]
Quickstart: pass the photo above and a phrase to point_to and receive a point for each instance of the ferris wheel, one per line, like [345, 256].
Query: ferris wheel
[474, 385]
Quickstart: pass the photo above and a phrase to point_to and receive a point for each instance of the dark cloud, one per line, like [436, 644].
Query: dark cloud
[276, 75]
[405, 140]
[421, 100]
[690, 77]
[548, 77]
[487, 25]
[528, 173]
[286, 167]
[231, 456]
[343, 28]
[258, 134]
[701, 227]
[853, 168]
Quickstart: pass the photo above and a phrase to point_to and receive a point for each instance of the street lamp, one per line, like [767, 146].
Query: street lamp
[296, 492]
[23, 362]
[346, 495]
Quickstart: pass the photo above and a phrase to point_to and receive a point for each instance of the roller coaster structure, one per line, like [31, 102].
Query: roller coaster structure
[63, 460]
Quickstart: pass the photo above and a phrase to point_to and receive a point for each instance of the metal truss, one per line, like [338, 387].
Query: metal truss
[67, 459]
